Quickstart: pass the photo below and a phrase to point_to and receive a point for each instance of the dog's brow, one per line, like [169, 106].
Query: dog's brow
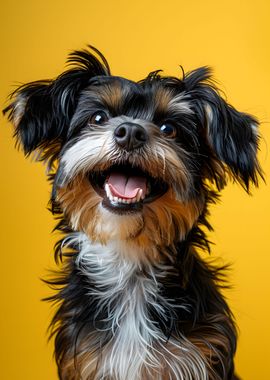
[162, 98]
[112, 95]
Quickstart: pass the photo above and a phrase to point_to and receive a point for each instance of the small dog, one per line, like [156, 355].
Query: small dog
[134, 166]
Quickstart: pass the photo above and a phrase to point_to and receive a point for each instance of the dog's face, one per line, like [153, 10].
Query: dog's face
[130, 168]
[134, 159]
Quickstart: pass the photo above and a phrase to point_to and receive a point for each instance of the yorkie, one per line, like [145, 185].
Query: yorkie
[134, 166]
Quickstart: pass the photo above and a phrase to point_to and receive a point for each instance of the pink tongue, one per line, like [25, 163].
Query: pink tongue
[123, 186]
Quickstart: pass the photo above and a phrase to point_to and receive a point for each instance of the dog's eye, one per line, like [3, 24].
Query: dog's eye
[98, 118]
[168, 129]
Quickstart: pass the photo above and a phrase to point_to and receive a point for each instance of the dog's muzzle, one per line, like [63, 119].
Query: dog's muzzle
[125, 187]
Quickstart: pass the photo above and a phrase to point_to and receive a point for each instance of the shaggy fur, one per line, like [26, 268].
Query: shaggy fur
[134, 167]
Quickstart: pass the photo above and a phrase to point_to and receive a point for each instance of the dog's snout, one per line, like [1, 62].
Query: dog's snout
[130, 136]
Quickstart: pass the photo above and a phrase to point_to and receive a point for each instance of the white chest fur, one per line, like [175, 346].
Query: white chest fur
[138, 348]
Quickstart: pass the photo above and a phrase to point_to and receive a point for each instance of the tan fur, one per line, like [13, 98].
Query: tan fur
[112, 95]
[168, 219]
[158, 225]
[19, 110]
[162, 99]
[81, 368]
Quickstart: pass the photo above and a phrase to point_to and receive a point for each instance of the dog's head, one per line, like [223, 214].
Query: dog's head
[133, 159]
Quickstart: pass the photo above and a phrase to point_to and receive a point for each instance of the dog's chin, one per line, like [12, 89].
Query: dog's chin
[125, 189]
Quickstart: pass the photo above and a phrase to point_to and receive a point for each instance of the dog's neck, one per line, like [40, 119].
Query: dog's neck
[123, 255]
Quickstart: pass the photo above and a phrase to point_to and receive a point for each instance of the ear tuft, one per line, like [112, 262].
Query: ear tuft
[91, 61]
[197, 77]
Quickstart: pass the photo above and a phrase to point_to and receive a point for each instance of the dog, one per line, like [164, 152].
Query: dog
[134, 167]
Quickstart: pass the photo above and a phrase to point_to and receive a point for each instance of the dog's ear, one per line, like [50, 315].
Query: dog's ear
[41, 111]
[231, 135]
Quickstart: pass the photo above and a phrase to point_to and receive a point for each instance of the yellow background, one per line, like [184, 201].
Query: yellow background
[136, 37]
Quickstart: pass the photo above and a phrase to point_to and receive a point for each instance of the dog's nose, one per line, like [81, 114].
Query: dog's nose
[130, 136]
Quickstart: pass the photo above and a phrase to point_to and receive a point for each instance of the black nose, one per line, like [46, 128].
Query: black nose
[130, 136]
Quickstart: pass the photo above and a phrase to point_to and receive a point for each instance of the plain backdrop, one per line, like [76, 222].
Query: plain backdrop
[136, 37]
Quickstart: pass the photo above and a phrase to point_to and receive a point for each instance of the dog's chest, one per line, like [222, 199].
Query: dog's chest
[129, 304]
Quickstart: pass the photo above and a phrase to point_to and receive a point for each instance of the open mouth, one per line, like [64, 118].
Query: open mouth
[125, 188]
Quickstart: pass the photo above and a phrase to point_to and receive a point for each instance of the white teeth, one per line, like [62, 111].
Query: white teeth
[107, 190]
[139, 196]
